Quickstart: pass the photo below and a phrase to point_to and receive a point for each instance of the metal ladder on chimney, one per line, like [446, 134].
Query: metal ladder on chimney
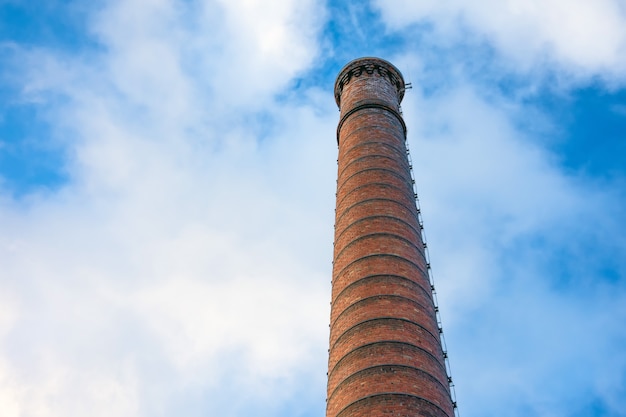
[432, 285]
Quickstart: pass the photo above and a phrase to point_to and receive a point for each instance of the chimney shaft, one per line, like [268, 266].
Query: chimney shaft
[385, 354]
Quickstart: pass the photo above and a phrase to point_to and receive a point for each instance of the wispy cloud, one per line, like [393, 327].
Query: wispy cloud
[528, 255]
[575, 39]
[184, 266]
[170, 250]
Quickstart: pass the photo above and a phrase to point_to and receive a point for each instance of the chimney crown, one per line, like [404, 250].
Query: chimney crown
[369, 66]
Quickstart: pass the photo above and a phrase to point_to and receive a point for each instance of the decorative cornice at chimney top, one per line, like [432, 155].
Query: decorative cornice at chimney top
[369, 66]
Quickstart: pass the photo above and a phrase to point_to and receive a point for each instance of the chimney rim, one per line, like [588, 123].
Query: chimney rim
[368, 60]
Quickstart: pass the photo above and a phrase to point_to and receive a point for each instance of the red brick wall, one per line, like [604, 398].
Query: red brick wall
[385, 353]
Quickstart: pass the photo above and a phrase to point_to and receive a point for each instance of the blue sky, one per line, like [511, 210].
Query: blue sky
[167, 174]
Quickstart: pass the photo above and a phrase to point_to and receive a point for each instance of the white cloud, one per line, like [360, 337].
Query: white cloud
[187, 262]
[518, 249]
[170, 256]
[579, 38]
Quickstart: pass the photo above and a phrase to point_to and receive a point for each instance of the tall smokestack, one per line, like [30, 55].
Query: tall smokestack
[386, 356]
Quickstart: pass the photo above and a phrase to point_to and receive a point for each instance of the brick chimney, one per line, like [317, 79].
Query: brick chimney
[385, 356]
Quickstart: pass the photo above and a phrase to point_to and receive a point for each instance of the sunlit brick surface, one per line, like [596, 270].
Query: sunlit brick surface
[385, 353]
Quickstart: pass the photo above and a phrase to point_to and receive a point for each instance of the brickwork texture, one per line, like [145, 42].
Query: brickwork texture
[385, 356]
